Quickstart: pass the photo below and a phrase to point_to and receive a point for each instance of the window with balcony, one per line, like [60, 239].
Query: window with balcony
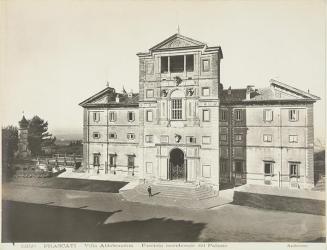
[189, 63]
[176, 64]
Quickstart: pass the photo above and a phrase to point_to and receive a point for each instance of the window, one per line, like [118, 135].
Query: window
[149, 68]
[206, 171]
[112, 116]
[96, 135]
[238, 137]
[112, 136]
[176, 109]
[112, 160]
[206, 139]
[206, 115]
[294, 169]
[205, 65]
[223, 137]
[238, 114]
[293, 139]
[149, 167]
[149, 116]
[149, 138]
[293, 115]
[206, 91]
[190, 139]
[96, 116]
[176, 64]
[223, 115]
[96, 159]
[164, 64]
[164, 139]
[189, 63]
[267, 138]
[131, 136]
[267, 115]
[130, 160]
[149, 93]
[130, 116]
[268, 168]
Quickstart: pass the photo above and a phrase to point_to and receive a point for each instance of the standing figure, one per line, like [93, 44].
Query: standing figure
[149, 191]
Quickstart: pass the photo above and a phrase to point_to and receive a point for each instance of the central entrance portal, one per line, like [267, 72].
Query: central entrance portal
[177, 168]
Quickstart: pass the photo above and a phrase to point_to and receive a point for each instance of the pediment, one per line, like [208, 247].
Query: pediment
[105, 96]
[285, 91]
[177, 41]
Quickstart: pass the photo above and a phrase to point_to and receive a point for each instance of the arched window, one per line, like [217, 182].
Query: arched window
[177, 105]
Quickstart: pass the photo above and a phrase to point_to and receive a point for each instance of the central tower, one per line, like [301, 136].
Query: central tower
[179, 82]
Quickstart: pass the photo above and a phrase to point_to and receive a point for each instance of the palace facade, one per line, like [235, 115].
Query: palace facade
[183, 126]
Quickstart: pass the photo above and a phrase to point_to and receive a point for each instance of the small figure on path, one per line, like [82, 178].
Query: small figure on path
[149, 191]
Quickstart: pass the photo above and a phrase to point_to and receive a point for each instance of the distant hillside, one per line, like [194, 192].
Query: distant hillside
[68, 135]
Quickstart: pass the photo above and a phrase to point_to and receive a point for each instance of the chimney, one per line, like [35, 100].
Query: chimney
[229, 90]
[249, 90]
[117, 98]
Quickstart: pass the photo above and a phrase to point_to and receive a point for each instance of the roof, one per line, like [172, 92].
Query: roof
[107, 97]
[23, 123]
[278, 92]
[177, 41]
[293, 89]
[233, 95]
[180, 42]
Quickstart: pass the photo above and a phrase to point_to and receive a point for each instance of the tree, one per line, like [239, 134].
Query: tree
[38, 135]
[9, 147]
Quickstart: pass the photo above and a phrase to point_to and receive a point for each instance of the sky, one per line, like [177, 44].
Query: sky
[55, 54]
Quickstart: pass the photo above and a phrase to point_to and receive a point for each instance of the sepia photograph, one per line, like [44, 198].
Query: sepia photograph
[163, 124]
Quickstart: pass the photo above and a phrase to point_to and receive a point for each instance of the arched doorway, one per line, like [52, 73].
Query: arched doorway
[177, 168]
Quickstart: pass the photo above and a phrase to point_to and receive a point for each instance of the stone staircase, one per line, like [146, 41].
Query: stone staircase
[178, 190]
[321, 184]
[177, 194]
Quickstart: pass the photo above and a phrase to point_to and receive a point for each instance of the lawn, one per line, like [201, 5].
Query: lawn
[72, 184]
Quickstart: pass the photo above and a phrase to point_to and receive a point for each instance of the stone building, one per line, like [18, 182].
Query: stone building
[184, 127]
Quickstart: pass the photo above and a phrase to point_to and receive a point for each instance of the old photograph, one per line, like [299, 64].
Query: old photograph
[164, 121]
